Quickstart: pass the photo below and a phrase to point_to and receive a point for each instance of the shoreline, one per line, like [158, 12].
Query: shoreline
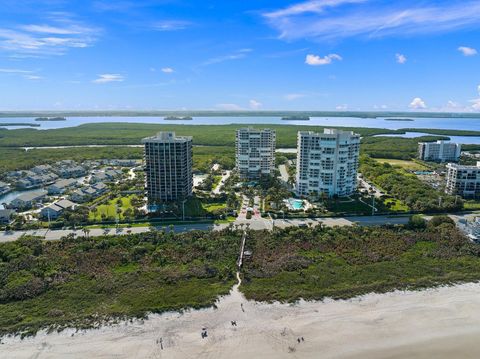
[420, 324]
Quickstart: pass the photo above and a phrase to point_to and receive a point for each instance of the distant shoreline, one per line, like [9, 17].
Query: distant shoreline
[203, 113]
[400, 119]
[17, 124]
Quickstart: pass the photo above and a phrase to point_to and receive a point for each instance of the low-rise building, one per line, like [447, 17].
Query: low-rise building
[54, 210]
[61, 186]
[100, 187]
[122, 163]
[440, 151]
[105, 176]
[36, 180]
[42, 169]
[88, 193]
[72, 172]
[6, 215]
[4, 188]
[463, 180]
[28, 200]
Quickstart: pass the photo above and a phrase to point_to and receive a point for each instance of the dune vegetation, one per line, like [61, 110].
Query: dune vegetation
[316, 263]
[84, 282]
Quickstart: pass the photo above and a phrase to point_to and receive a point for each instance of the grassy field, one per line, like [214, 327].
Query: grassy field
[353, 205]
[109, 210]
[194, 207]
[405, 164]
[395, 205]
[471, 205]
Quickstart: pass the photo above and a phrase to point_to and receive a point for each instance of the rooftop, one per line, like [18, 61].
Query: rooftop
[163, 137]
[65, 203]
[464, 167]
[26, 197]
[329, 131]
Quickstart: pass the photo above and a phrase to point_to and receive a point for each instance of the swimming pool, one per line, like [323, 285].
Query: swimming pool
[295, 203]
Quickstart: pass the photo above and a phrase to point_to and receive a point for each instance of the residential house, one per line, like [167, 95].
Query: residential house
[56, 209]
[6, 215]
[71, 172]
[88, 193]
[42, 169]
[4, 188]
[28, 200]
[61, 186]
[122, 163]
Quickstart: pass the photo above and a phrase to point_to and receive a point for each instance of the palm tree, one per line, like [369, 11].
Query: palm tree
[86, 232]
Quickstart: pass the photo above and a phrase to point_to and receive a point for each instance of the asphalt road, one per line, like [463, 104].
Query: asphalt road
[254, 224]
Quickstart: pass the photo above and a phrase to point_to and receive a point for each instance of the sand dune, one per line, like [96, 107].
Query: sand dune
[439, 323]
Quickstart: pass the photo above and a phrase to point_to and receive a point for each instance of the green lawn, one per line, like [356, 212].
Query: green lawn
[405, 164]
[210, 207]
[396, 205]
[194, 207]
[349, 206]
[109, 209]
[471, 205]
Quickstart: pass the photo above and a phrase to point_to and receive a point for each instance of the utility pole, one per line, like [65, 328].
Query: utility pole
[373, 204]
[183, 209]
[117, 215]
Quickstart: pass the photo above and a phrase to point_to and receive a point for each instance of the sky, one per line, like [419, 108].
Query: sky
[368, 55]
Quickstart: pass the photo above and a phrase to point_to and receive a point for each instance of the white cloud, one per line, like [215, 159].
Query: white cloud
[171, 25]
[15, 71]
[401, 59]
[33, 77]
[330, 19]
[417, 103]
[228, 107]
[105, 78]
[343, 107]
[239, 54]
[26, 74]
[254, 104]
[293, 96]
[47, 39]
[476, 104]
[167, 70]
[467, 51]
[315, 60]
[453, 105]
[48, 29]
[311, 6]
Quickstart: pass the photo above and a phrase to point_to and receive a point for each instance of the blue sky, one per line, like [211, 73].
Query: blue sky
[248, 54]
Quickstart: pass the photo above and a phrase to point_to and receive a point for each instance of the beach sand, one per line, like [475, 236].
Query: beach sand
[436, 323]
